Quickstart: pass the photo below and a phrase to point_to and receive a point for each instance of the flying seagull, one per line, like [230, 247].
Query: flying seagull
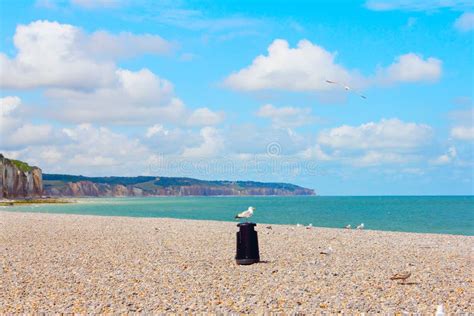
[347, 88]
[247, 213]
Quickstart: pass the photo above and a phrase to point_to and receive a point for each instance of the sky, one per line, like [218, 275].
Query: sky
[238, 90]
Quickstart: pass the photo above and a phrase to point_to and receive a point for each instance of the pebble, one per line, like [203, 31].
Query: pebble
[52, 263]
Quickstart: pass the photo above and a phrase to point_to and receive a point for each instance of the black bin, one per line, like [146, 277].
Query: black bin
[247, 244]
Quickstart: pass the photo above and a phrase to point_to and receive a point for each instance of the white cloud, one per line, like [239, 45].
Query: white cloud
[463, 124]
[463, 132]
[286, 117]
[100, 147]
[212, 143]
[373, 158]
[14, 131]
[308, 66]
[411, 68]
[106, 46]
[304, 68]
[156, 129]
[51, 54]
[83, 83]
[29, 134]
[8, 104]
[137, 97]
[315, 152]
[446, 158]
[417, 5]
[465, 22]
[204, 116]
[387, 134]
[50, 154]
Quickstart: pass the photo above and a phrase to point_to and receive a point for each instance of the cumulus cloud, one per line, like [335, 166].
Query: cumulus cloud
[308, 66]
[389, 141]
[204, 116]
[104, 45]
[137, 97]
[373, 158]
[463, 132]
[463, 121]
[411, 68]
[14, 131]
[465, 22]
[156, 129]
[83, 84]
[50, 54]
[29, 134]
[8, 104]
[304, 68]
[385, 134]
[99, 146]
[89, 150]
[212, 143]
[446, 158]
[315, 152]
[286, 117]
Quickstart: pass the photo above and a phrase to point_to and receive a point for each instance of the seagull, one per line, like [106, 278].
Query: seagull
[347, 88]
[327, 251]
[298, 225]
[401, 276]
[439, 310]
[247, 213]
[309, 226]
[361, 226]
[348, 226]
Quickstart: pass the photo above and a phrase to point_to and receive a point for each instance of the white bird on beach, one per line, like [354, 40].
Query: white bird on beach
[299, 225]
[246, 214]
[327, 251]
[347, 88]
[439, 310]
[361, 226]
[309, 226]
[348, 226]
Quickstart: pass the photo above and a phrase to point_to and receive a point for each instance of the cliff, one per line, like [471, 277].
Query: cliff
[19, 180]
[76, 186]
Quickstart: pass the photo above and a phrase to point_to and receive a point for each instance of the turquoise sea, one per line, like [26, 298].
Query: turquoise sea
[424, 214]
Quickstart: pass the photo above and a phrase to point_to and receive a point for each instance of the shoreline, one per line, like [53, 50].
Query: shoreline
[35, 201]
[4, 208]
[83, 263]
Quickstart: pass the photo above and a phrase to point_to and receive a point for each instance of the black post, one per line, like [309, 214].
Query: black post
[247, 244]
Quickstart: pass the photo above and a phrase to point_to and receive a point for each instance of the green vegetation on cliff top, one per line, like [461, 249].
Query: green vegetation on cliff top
[23, 166]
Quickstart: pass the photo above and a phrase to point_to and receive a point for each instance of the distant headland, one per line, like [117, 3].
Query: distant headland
[20, 180]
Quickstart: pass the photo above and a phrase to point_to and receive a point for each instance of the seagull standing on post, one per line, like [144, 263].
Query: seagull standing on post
[246, 214]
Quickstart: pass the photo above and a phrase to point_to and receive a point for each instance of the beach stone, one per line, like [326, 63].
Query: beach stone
[52, 263]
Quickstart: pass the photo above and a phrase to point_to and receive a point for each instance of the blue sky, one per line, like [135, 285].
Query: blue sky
[237, 90]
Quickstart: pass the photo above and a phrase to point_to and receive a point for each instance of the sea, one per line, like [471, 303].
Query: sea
[420, 214]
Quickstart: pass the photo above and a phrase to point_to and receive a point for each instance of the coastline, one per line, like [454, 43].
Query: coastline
[82, 263]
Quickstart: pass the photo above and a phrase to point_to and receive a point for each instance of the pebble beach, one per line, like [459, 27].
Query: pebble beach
[96, 264]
